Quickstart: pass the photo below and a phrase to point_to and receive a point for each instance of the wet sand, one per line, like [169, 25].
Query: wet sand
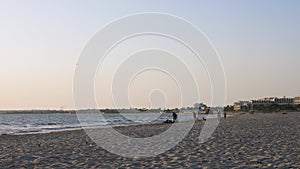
[243, 141]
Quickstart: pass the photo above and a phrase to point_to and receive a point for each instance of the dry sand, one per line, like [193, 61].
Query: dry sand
[243, 141]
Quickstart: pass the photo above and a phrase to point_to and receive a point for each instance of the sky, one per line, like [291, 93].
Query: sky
[257, 41]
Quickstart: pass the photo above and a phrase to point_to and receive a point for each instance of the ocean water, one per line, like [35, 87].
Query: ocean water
[16, 124]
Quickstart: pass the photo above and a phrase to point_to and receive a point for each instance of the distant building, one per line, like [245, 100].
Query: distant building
[264, 101]
[273, 100]
[241, 105]
[200, 106]
[284, 101]
[297, 100]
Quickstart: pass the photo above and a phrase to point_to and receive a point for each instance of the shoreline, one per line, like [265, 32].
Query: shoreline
[229, 115]
[40, 126]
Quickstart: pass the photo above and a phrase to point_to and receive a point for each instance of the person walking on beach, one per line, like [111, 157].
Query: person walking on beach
[219, 114]
[174, 116]
[225, 114]
[194, 115]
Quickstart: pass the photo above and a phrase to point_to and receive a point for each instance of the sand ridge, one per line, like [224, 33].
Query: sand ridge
[243, 141]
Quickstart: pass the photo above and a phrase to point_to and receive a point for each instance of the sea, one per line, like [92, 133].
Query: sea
[19, 124]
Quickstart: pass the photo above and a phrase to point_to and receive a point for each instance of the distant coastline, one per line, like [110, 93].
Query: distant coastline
[228, 109]
[83, 111]
[36, 111]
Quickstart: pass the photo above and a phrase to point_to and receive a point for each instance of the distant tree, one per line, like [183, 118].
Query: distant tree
[274, 108]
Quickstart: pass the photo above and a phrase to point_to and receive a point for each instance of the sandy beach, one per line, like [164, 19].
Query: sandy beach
[242, 141]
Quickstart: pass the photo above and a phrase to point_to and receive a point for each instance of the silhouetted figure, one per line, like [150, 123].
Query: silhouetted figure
[225, 115]
[174, 116]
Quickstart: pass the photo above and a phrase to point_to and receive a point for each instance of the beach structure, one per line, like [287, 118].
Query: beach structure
[241, 105]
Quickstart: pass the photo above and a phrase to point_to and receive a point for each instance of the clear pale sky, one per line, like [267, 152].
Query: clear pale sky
[40, 41]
